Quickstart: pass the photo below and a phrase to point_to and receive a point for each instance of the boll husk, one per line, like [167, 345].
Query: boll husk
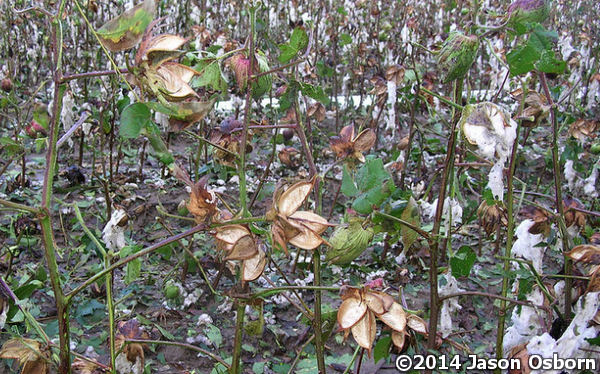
[457, 55]
[348, 241]
[528, 11]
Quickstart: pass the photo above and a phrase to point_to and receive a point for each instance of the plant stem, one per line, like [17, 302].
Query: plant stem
[62, 307]
[317, 323]
[184, 345]
[237, 343]
[564, 235]
[17, 206]
[132, 257]
[510, 229]
[107, 283]
[244, 138]
[435, 240]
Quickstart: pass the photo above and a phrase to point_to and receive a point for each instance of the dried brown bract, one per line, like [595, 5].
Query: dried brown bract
[347, 145]
[289, 225]
[203, 203]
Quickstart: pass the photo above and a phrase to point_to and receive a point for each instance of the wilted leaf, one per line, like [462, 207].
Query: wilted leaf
[29, 354]
[203, 203]
[583, 129]
[126, 30]
[172, 80]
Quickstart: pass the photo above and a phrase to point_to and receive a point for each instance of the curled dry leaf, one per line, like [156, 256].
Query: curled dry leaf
[583, 129]
[536, 107]
[346, 144]
[317, 110]
[572, 216]
[395, 73]
[30, 354]
[203, 203]
[131, 358]
[541, 217]
[80, 366]
[290, 157]
[586, 253]
[417, 324]
[491, 217]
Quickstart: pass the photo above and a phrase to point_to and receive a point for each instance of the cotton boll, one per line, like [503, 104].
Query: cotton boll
[113, 234]
[570, 174]
[449, 306]
[526, 245]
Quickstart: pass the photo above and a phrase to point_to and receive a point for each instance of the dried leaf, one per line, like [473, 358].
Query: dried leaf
[350, 312]
[398, 338]
[294, 197]
[364, 331]
[243, 249]
[583, 129]
[417, 324]
[172, 80]
[253, 267]
[395, 317]
[586, 253]
[29, 354]
[203, 203]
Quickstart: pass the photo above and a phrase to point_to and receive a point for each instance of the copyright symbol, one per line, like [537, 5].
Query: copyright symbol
[403, 363]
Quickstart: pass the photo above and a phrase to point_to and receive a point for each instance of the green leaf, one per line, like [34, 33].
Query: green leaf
[214, 334]
[541, 39]
[299, 38]
[371, 174]
[548, 63]
[210, 75]
[126, 30]
[348, 187]
[134, 119]
[594, 341]
[462, 261]
[264, 83]
[315, 92]
[345, 39]
[287, 53]
[10, 147]
[133, 268]
[375, 185]
[382, 348]
[298, 42]
[522, 59]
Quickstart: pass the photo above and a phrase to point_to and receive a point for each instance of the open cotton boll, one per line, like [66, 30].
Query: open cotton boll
[526, 322]
[573, 342]
[391, 103]
[526, 245]
[493, 131]
[113, 234]
[450, 205]
[449, 306]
